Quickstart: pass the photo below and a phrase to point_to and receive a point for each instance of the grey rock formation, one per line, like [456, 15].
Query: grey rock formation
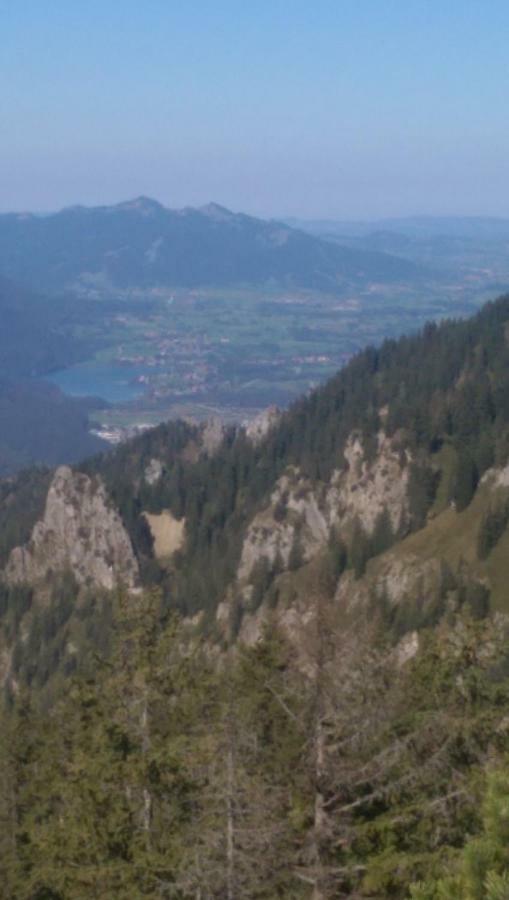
[80, 532]
[360, 492]
[259, 427]
[153, 471]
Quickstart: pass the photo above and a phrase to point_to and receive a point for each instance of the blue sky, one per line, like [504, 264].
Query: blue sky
[336, 108]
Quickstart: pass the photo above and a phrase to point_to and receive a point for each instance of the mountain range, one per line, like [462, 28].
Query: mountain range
[142, 244]
[477, 228]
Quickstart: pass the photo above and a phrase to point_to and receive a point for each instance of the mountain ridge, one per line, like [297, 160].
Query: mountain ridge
[141, 243]
[323, 641]
[344, 457]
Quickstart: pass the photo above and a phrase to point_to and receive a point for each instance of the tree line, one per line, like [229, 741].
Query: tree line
[170, 772]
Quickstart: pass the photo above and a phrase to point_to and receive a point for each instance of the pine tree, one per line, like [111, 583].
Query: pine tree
[20, 753]
[360, 550]
[483, 869]
[383, 534]
[109, 789]
[466, 480]
[244, 753]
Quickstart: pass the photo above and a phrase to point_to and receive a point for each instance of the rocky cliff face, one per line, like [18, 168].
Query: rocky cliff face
[80, 532]
[297, 512]
[366, 488]
[393, 579]
[293, 512]
[258, 428]
[299, 519]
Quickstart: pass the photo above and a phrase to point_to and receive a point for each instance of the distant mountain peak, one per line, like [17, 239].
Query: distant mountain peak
[216, 211]
[159, 246]
[143, 205]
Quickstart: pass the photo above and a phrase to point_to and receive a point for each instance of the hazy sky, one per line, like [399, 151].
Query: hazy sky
[330, 108]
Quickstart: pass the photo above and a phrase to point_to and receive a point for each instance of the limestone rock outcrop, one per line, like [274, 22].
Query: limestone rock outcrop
[297, 511]
[79, 532]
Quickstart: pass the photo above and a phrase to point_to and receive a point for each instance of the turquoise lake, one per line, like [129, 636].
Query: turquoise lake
[93, 379]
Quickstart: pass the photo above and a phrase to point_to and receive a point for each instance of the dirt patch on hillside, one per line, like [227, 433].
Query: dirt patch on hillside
[167, 531]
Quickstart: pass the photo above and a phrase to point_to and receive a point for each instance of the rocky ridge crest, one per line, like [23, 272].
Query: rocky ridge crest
[79, 532]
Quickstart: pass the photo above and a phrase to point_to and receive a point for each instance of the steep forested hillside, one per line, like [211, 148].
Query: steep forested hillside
[442, 395]
[38, 424]
[35, 336]
[308, 696]
[163, 774]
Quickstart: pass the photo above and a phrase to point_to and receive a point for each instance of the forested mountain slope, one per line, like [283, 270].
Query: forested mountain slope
[38, 424]
[330, 707]
[34, 338]
[432, 410]
[141, 244]
[401, 437]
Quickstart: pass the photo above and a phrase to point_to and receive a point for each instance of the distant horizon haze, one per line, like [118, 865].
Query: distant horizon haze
[360, 110]
[290, 218]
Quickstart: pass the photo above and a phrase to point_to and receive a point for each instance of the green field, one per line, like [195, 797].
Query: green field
[231, 353]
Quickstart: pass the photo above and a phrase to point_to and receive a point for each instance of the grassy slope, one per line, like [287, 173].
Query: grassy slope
[452, 536]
